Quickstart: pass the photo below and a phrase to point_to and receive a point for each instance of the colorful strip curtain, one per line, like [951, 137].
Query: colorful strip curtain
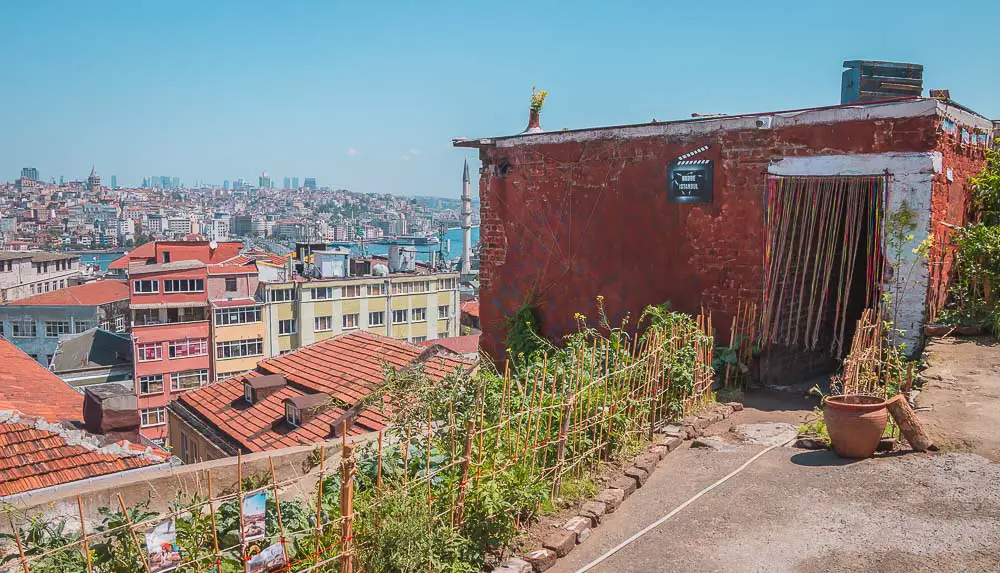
[814, 228]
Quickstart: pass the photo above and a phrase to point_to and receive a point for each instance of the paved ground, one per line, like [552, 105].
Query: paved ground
[800, 511]
[963, 394]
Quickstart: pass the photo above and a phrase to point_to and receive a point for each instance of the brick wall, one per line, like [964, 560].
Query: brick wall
[564, 222]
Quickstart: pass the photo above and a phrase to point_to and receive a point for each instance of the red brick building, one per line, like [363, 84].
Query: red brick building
[570, 215]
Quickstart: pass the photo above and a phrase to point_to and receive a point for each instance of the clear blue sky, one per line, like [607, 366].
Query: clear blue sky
[367, 95]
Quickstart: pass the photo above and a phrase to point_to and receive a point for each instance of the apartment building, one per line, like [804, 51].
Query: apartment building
[26, 273]
[414, 304]
[238, 327]
[170, 334]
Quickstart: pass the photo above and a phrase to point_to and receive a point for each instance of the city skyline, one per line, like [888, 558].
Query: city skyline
[368, 97]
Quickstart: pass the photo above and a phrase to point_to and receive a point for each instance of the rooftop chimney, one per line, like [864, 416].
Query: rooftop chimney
[259, 387]
[111, 410]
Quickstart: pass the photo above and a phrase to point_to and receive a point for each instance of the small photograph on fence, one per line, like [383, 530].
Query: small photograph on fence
[254, 510]
[161, 545]
[270, 559]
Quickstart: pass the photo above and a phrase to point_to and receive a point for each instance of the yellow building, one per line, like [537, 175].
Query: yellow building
[415, 306]
[238, 326]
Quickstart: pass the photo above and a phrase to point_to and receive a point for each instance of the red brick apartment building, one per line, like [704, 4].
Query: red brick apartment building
[171, 330]
[570, 215]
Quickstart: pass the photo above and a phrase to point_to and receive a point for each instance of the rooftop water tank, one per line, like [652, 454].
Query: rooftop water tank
[870, 80]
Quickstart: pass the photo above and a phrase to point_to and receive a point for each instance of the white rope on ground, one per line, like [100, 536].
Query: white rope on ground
[676, 510]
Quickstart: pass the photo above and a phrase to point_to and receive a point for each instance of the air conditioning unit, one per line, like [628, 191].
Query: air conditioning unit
[763, 122]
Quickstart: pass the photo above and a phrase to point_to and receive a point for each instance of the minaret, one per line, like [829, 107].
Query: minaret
[466, 223]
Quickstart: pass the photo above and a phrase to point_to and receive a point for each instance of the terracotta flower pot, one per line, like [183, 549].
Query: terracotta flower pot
[534, 124]
[855, 423]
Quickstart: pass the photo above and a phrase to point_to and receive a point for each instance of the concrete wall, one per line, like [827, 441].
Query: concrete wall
[162, 485]
[42, 347]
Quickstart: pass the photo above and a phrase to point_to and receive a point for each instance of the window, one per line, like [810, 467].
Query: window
[239, 348]
[32, 288]
[142, 287]
[23, 328]
[120, 323]
[151, 384]
[189, 449]
[447, 284]
[184, 285]
[322, 323]
[399, 316]
[83, 325]
[286, 326]
[186, 314]
[47, 288]
[248, 393]
[237, 315]
[149, 351]
[62, 283]
[323, 293]
[376, 290]
[166, 257]
[189, 347]
[410, 287]
[188, 379]
[230, 284]
[419, 314]
[443, 334]
[351, 321]
[282, 295]
[418, 339]
[292, 414]
[227, 375]
[444, 311]
[56, 328]
[376, 318]
[143, 316]
[152, 417]
[352, 291]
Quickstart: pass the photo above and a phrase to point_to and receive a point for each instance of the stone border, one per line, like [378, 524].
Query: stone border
[577, 529]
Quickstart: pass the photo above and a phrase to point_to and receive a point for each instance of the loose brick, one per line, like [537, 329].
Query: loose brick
[580, 526]
[624, 483]
[673, 430]
[660, 451]
[514, 566]
[594, 510]
[692, 432]
[561, 542]
[638, 474]
[725, 410]
[736, 406]
[541, 559]
[673, 443]
[612, 498]
[647, 463]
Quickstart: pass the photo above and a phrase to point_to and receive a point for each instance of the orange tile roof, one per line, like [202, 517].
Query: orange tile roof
[347, 367]
[38, 455]
[89, 294]
[470, 308]
[460, 344]
[29, 387]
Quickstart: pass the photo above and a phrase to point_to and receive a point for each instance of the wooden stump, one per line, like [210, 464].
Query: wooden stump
[909, 424]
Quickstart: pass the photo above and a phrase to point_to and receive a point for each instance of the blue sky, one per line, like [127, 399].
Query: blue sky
[367, 95]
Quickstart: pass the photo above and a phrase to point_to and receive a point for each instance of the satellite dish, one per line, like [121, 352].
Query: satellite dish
[213, 245]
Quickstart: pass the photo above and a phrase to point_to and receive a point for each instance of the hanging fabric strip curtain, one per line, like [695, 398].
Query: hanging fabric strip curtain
[815, 228]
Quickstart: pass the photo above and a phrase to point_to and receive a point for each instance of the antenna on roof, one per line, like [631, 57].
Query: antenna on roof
[213, 245]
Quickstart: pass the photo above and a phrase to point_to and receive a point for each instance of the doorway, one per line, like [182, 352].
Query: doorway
[824, 259]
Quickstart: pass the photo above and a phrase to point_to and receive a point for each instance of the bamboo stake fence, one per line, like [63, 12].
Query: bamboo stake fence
[559, 421]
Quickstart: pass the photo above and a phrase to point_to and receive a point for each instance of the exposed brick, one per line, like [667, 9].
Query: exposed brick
[560, 541]
[611, 498]
[725, 411]
[624, 483]
[736, 406]
[673, 443]
[659, 451]
[638, 474]
[579, 525]
[646, 463]
[541, 559]
[514, 566]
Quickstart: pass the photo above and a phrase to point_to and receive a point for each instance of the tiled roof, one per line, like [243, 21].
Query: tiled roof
[29, 387]
[470, 308]
[38, 455]
[461, 344]
[89, 294]
[348, 368]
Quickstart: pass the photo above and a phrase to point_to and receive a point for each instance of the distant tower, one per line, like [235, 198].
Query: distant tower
[94, 181]
[466, 223]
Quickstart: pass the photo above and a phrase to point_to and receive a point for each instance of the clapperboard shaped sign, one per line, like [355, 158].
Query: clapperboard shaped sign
[691, 180]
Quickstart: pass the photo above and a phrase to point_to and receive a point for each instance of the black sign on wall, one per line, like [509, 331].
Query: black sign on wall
[690, 180]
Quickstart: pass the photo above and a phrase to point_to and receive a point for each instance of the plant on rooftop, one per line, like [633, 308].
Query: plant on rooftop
[538, 99]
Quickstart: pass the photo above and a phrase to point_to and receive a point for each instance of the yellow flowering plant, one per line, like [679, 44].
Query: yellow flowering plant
[538, 99]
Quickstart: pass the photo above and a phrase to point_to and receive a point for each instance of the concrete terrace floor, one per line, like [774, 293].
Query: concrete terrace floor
[795, 510]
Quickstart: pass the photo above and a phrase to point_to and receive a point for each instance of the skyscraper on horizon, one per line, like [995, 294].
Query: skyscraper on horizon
[295, 182]
[310, 183]
[287, 183]
[29, 173]
[114, 181]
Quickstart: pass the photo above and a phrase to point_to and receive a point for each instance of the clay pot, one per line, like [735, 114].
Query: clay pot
[855, 423]
[534, 123]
